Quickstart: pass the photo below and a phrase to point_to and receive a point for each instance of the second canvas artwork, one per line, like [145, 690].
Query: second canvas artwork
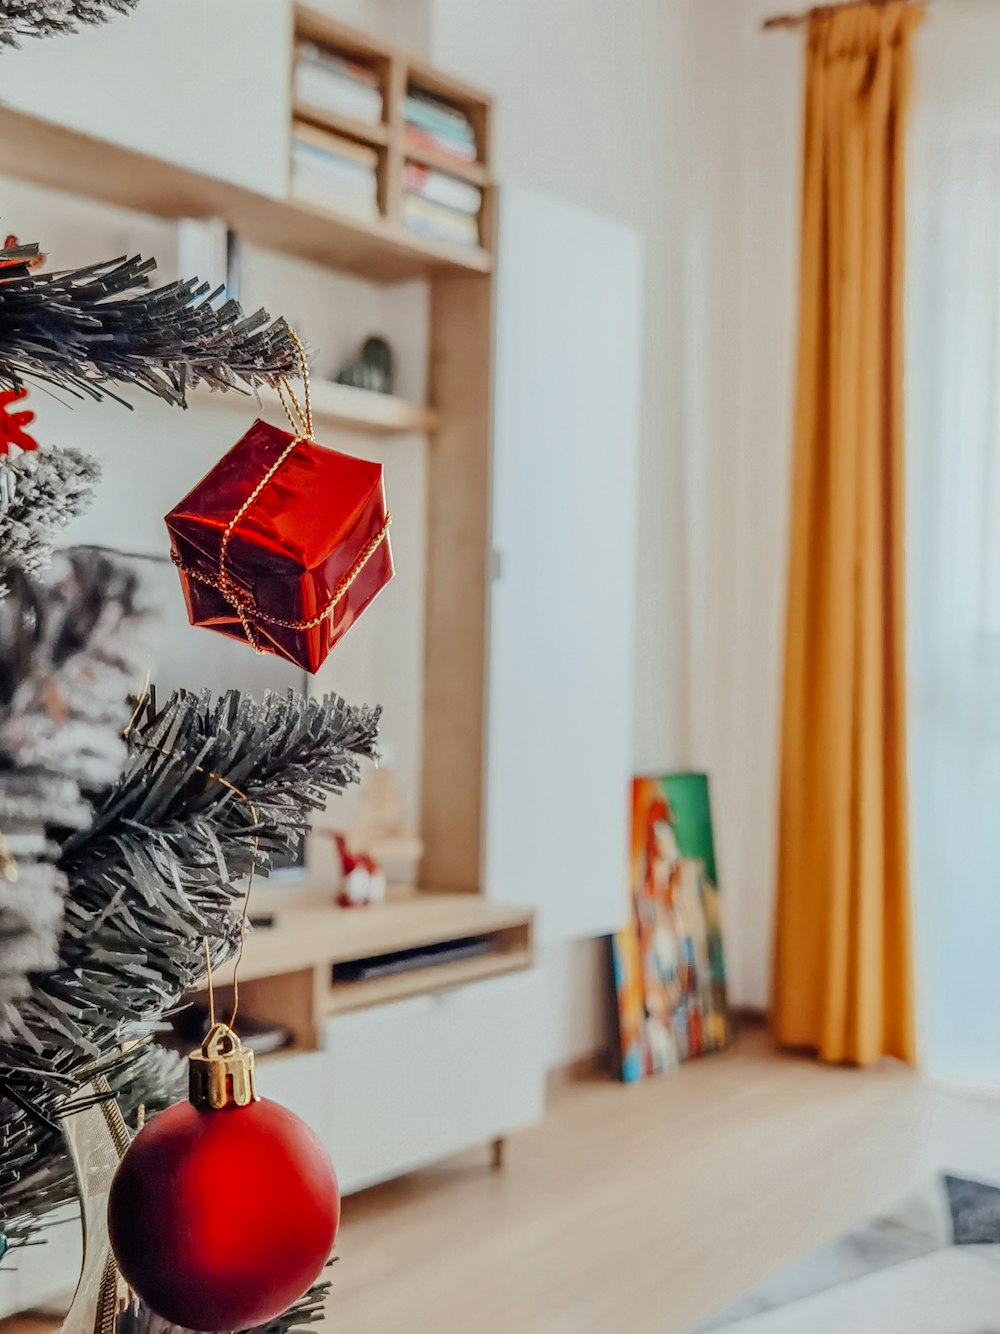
[668, 963]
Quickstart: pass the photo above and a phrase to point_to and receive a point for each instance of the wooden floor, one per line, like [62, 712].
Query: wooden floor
[643, 1208]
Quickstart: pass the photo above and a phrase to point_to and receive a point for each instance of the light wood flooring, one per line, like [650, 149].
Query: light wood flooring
[643, 1208]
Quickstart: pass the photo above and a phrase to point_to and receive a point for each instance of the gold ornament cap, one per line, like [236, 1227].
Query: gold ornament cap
[220, 1072]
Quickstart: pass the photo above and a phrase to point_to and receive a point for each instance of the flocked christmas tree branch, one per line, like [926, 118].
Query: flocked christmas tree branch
[85, 329]
[70, 652]
[156, 871]
[51, 18]
[39, 493]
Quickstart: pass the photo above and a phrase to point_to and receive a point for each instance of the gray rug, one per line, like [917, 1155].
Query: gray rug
[932, 1266]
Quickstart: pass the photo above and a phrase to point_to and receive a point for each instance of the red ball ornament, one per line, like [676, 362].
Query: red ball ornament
[225, 1208]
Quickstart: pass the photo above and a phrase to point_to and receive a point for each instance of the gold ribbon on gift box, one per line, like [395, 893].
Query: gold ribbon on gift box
[300, 418]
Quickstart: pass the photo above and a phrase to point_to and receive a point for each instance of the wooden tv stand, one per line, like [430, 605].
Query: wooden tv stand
[398, 1071]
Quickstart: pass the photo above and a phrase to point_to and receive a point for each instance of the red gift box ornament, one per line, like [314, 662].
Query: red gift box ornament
[284, 543]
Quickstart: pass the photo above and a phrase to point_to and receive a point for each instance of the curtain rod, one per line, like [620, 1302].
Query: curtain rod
[799, 20]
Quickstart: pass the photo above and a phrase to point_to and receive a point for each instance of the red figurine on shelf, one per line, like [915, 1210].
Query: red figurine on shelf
[363, 879]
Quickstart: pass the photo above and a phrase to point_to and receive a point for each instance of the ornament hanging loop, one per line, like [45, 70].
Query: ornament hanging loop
[220, 1072]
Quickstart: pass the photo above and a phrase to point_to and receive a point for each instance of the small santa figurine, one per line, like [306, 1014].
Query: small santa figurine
[363, 880]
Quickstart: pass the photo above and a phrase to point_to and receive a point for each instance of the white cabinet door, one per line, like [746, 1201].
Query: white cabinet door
[299, 1082]
[566, 445]
[418, 1079]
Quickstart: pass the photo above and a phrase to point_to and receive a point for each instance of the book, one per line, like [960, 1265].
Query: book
[328, 90]
[344, 181]
[323, 140]
[440, 188]
[429, 142]
[360, 180]
[334, 196]
[312, 54]
[434, 116]
[320, 162]
[446, 224]
[431, 103]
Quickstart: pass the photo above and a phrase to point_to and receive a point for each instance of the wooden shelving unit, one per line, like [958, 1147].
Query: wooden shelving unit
[398, 73]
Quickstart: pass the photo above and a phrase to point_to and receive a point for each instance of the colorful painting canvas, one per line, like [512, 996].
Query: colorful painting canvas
[668, 963]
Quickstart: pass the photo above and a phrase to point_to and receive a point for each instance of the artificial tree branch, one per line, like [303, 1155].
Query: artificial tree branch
[85, 329]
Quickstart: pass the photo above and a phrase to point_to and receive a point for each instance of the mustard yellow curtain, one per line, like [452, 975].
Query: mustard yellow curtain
[842, 979]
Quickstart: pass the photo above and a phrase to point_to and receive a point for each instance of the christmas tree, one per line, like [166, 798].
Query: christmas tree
[127, 828]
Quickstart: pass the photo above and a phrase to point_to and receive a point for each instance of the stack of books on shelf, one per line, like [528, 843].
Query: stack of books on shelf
[434, 203]
[333, 172]
[329, 82]
[439, 206]
[438, 127]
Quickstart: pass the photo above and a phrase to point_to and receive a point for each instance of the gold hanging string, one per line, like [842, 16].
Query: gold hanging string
[211, 984]
[299, 415]
[300, 419]
[144, 697]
